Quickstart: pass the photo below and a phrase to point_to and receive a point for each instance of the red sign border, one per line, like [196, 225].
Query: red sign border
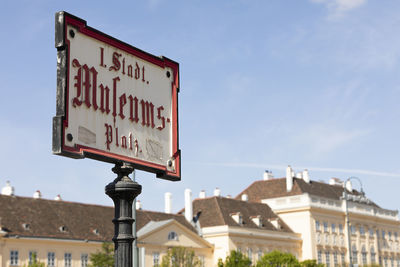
[78, 151]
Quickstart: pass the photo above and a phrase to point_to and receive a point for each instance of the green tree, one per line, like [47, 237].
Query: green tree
[277, 259]
[310, 263]
[34, 262]
[103, 258]
[235, 259]
[180, 257]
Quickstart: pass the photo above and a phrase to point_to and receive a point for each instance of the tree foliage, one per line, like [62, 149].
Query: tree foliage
[34, 262]
[310, 263]
[235, 259]
[180, 257]
[278, 259]
[103, 258]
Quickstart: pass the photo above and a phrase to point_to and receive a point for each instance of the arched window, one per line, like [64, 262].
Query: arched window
[373, 255]
[172, 236]
[364, 255]
[355, 254]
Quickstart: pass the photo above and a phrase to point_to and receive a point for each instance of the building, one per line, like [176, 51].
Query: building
[64, 234]
[252, 228]
[318, 211]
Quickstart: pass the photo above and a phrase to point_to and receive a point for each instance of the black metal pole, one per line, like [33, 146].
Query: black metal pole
[123, 191]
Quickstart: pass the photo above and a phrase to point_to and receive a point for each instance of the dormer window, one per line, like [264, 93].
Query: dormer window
[275, 222]
[63, 229]
[257, 220]
[237, 217]
[26, 226]
[96, 231]
[173, 236]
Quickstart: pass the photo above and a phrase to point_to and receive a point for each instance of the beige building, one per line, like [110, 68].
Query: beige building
[64, 234]
[252, 228]
[317, 211]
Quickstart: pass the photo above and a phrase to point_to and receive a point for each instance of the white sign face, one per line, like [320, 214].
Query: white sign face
[120, 102]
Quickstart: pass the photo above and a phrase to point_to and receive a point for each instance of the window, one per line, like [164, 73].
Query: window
[390, 236]
[317, 226]
[156, 259]
[335, 258]
[364, 255]
[373, 255]
[51, 259]
[319, 257]
[202, 261]
[250, 254]
[67, 259]
[355, 254]
[327, 259]
[385, 261]
[172, 236]
[14, 257]
[342, 256]
[362, 230]
[383, 234]
[259, 254]
[340, 228]
[333, 228]
[32, 257]
[325, 227]
[371, 232]
[353, 229]
[395, 236]
[84, 260]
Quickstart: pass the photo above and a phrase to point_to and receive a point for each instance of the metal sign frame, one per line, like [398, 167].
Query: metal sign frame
[62, 140]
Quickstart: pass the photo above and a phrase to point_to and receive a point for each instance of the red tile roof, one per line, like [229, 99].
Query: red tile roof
[274, 188]
[217, 211]
[43, 218]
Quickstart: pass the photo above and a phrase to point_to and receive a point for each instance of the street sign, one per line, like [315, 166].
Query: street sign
[115, 102]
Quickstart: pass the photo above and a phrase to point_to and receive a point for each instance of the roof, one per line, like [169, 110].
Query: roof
[216, 211]
[44, 218]
[151, 226]
[274, 188]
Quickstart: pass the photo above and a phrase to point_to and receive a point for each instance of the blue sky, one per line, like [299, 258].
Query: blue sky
[264, 84]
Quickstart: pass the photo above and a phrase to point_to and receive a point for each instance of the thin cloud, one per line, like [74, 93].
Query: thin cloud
[337, 8]
[283, 167]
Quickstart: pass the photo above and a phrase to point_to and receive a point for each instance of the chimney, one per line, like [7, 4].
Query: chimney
[37, 194]
[168, 202]
[268, 175]
[299, 175]
[58, 198]
[188, 205]
[245, 197]
[8, 190]
[139, 205]
[202, 194]
[289, 179]
[349, 186]
[217, 192]
[306, 176]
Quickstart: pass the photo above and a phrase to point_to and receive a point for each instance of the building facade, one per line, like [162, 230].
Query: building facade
[251, 228]
[320, 212]
[64, 234]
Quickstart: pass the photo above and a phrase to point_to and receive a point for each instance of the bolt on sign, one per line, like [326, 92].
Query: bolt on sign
[115, 102]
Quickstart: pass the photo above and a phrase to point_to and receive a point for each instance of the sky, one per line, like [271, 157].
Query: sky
[314, 84]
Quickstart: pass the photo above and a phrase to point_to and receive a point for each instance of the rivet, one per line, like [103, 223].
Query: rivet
[168, 74]
[72, 33]
[69, 137]
[169, 163]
